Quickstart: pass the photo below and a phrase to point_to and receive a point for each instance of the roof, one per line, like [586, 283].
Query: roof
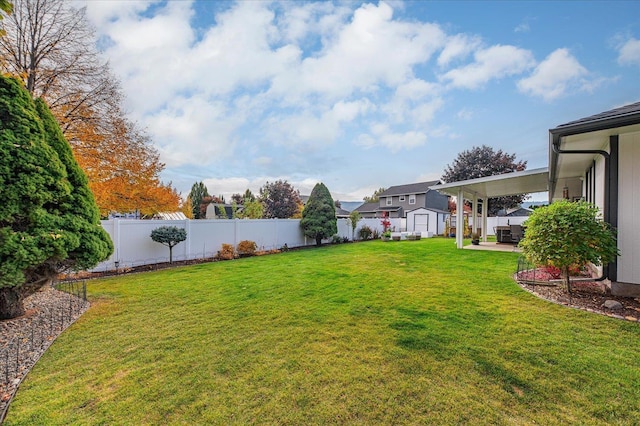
[524, 182]
[412, 188]
[613, 118]
[588, 135]
[368, 208]
[171, 216]
[342, 212]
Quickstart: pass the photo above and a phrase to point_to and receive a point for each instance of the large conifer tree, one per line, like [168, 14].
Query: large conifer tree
[48, 217]
[319, 215]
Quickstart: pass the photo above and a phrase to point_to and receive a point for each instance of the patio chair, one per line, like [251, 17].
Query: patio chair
[516, 233]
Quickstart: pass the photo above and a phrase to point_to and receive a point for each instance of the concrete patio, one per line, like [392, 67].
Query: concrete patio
[493, 246]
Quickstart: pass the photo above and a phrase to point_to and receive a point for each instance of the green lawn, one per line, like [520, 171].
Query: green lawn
[412, 332]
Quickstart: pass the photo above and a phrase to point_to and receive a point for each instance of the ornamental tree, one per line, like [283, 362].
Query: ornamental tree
[279, 199]
[319, 215]
[567, 234]
[354, 218]
[49, 221]
[169, 236]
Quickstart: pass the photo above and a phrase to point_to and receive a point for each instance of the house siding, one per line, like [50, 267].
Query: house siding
[629, 209]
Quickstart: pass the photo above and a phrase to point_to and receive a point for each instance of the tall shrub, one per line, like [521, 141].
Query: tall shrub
[567, 234]
[319, 215]
[47, 220]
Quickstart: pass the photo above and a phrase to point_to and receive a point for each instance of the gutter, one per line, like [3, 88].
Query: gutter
[608, 218]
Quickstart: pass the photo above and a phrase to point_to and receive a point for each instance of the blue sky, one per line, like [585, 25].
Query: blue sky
[360, 95]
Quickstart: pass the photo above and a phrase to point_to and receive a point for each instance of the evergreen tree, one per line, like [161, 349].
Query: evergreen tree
[319, 215]
[198, 192]
[47, 207]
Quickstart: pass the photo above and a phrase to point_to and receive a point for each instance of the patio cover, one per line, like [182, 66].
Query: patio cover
[525, 182]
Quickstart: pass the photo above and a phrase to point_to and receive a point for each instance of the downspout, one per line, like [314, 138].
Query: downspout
[607, 193]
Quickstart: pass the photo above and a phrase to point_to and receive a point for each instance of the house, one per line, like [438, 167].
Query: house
[515, 212]
[398, 200]
[592, 158]
[596, 158]
[368, 210]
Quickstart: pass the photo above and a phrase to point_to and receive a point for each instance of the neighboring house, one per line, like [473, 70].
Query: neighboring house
[597, 159]
[424, 209]
[516, 212]
[398, 200]
[368, 210]
[342, 213]
[221, 211]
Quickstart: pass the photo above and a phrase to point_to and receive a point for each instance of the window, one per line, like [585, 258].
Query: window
[389, 201]
[401, 198]
[412, 199]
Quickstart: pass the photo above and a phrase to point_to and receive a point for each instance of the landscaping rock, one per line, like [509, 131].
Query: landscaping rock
[613, 305]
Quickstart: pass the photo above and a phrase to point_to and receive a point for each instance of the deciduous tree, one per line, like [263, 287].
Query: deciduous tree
[50, 46]
[319, 215]
[481, 162]
[279, 199]
[48, 218]
[374, 198]
[354, 218]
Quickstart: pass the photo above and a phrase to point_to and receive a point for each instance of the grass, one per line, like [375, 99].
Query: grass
[413, 332]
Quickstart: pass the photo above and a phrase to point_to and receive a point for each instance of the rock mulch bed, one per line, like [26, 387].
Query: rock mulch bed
[23, 340]
[591, 296]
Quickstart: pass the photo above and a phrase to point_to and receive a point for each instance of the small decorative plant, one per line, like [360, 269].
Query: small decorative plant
[227, 252]
[247, 248]
[475, 238]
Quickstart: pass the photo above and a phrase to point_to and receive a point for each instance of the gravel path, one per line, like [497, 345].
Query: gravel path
[23, 340]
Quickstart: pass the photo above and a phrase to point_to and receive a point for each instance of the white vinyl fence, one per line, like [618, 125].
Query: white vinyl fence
[133, 245]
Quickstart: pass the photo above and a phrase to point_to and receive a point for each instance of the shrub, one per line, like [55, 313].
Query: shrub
[365, 232]
[375, 234]
[336, 239]
[565, 234]
[247, 248]
[227, 252]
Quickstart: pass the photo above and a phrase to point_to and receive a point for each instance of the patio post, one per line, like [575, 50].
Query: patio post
[459, 218]
[485, 209]
[474, 215]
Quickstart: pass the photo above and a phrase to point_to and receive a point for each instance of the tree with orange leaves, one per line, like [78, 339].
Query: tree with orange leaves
[48, 46]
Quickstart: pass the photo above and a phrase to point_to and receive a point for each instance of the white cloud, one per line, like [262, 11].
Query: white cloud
[193, 130]
[554, 76]
[491, 63]
[629, 52]
[522, 28]
[458, 46]
[382, 135]
[371, 51]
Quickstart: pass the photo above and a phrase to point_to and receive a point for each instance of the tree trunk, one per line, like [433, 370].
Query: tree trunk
[11, 305]
[318, 241]
[565, 275]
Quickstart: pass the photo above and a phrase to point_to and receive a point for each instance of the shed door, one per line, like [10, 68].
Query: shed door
[421, 222]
